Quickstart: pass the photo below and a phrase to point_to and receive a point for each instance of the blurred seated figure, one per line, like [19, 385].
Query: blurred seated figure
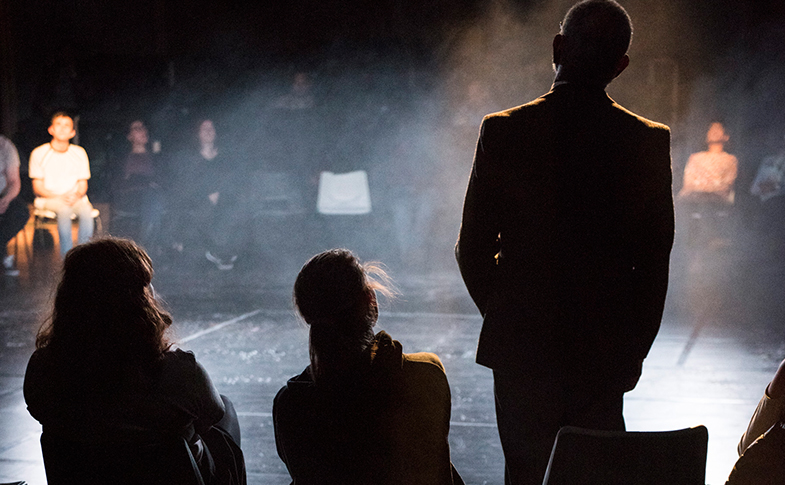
[209, 187]
[762, 446]
[138, 189]
[769, 186]
[13, 210]
[709, 175]
[300, 97]
[708, 192]
[104, 376]
[362, 412]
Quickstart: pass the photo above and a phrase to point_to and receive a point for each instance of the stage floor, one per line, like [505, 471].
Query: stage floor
[721, 341]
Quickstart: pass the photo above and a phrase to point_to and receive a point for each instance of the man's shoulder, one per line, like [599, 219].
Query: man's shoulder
[40, 150]
[521, 111]
[640, 121]
[77, 150]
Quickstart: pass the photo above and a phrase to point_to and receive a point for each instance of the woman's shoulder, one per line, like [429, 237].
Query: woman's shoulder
[423, 360]
[181, 364]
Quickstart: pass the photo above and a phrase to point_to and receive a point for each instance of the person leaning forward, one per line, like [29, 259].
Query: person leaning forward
[564, 244]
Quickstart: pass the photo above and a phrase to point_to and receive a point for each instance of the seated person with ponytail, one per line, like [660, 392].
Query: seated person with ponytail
[362, 412]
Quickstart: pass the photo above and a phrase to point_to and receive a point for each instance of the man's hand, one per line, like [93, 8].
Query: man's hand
[71, 197]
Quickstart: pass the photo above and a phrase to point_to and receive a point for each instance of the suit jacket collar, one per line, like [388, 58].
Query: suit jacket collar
[577, 90]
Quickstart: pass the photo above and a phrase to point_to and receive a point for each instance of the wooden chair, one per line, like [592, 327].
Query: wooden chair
[590, 457]
[45, 218]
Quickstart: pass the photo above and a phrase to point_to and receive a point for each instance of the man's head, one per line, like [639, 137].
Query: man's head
[716, 134]
[207, 132]
[591, 47]
[62, 127]
[137, 133]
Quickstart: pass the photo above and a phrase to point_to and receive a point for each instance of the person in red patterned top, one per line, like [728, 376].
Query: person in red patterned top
[710, 175]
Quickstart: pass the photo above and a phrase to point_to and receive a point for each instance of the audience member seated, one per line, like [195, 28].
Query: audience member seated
[137, 189]
[769, 186]
[300, 97]
[105, 374]
[709, 175]
[762, 446]
[13, 210]
[60, 172]
[208, 190]
[708, 192]
[363, 411]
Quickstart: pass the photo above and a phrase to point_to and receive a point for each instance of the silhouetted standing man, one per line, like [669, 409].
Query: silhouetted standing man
[565, 242]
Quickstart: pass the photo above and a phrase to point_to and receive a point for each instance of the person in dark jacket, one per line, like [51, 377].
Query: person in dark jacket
[564, 245]
[762, 446]
[104, 377]
[362, 412]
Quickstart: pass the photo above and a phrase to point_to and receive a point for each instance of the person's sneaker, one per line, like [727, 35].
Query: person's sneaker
[219, 263]
[9, 266]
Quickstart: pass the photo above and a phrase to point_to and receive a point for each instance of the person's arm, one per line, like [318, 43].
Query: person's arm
[729, 177]
[211, 405]
[653, 242]
[40, 190]
[770, 410]
[12, 186]
[477, 244]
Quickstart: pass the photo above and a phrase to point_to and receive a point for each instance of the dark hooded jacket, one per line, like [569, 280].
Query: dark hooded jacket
[386, 423]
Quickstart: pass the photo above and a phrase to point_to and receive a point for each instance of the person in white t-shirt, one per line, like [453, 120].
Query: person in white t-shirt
[60, 172]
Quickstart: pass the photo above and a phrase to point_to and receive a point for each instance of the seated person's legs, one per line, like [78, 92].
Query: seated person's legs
[63, 212]
[12, 221]
[84, 211]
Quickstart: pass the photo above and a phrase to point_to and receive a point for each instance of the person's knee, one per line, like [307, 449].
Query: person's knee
[85, 211]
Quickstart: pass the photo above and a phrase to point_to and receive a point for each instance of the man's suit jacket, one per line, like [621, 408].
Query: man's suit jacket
[566, 235]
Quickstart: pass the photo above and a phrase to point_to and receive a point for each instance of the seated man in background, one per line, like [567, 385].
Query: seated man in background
[13, 210]
[60, 172]
[709, 175]
[762, 446]
[708, 192]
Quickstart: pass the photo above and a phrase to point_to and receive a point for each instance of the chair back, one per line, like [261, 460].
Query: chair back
[163, 462]
[589, 457]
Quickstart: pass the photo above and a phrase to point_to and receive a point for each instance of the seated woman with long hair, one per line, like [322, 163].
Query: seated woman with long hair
[104, 380]
[362, 412]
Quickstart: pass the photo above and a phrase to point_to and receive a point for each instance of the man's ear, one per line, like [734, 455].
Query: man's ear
[51, 130]
[557, 43]
[622, 65]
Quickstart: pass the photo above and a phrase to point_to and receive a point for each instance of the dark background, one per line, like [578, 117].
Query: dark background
[167, 60]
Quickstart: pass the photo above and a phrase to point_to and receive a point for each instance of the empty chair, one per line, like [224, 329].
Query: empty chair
[588, 457]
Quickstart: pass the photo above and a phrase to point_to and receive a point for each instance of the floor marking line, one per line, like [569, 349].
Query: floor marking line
[463, 316]
[254, 414]
[219, 326]
[472, 425]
